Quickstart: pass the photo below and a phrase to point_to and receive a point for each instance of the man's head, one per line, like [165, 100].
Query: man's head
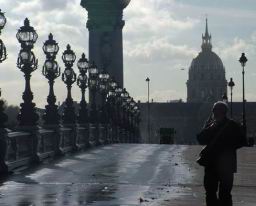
[220, 110]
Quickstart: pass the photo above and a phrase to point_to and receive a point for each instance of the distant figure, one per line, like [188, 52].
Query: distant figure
[222, 137]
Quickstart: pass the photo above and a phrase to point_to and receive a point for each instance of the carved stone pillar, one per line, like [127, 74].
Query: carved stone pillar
[105, 24]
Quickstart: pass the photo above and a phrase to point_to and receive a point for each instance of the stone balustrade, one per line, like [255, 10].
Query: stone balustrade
[28, 146]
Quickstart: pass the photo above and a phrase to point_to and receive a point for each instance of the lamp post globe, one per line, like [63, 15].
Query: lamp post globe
[112, 85]
[118, 91]
[50, 47]
[2, 20]
[51, 71]
[68, 57]
[125, 94]
[243, 61]
[69, 77]
[93, 71]
[27, 35]
[27, 63]
[231, 84]
[83, 64]
[82, 82]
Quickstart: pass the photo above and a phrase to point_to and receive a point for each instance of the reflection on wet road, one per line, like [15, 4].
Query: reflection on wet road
[121, 174]
[110, 175]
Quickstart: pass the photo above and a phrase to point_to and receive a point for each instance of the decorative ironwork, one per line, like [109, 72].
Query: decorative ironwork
[243, 61]
[103, 88]
[27, 63]
[51, 71]
[93, 85]
[82, 82]
[69, 77]
[231, 84]
[3, 54]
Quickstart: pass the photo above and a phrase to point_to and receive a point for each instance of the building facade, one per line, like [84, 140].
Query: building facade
[206, 84]
[207, 81]
[187, 119]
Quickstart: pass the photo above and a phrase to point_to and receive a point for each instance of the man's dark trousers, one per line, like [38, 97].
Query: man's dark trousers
[214, 181]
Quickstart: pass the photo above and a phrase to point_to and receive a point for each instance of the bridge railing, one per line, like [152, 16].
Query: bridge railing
[32, 145]
[19, 150]
[113, 119]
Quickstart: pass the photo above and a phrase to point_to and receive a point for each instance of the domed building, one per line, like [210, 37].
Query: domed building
[207, 81]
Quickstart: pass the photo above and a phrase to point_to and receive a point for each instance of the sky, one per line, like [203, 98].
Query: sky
[161, 37]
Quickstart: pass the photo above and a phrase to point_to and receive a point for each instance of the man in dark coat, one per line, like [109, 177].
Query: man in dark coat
[222, 137]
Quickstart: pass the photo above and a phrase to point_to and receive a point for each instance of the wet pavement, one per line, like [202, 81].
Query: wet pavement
[124, 175]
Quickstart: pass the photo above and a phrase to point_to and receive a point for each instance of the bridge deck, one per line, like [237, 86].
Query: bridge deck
[125, 174]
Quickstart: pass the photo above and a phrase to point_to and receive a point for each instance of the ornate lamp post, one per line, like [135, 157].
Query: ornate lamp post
[27, 63]
[137, 124]
[51, 71]
[69, 77]
[93, 85]
[135, 113]
[93, 115]
[3, 55]
[82, 82]
[243, 61]
[125, 110]
[2, 20]
[103, 88]
[129, 115]
[231, 84]
[118, 92]
[111, 110]
[148, 123]
[132, 116]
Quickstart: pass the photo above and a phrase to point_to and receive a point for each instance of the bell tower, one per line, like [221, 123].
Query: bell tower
[105, 24]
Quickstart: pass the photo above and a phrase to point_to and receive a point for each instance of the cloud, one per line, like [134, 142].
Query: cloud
[153, 18]
[56, 4]
[234, 49]
[156, 50]
[27, 7]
